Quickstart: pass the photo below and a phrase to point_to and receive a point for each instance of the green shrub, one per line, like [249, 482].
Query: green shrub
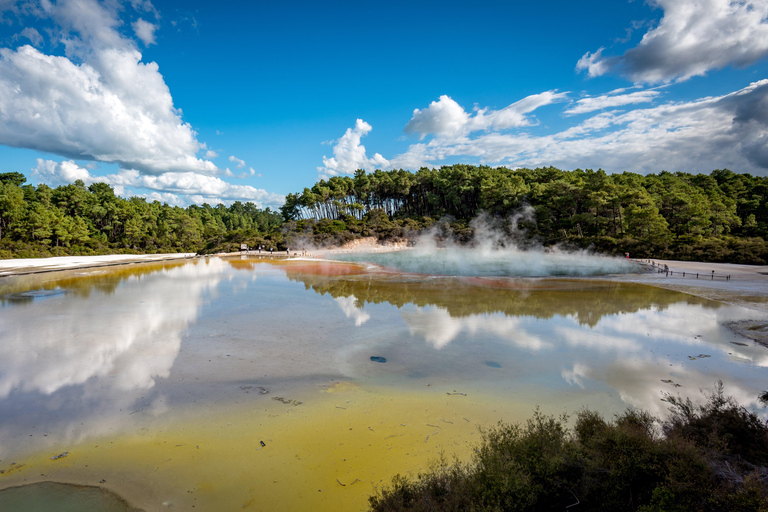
[707, 457]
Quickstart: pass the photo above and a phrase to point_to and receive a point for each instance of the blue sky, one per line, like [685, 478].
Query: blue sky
[191, 102]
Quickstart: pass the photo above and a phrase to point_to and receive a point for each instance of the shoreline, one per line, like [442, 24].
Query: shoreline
[747, 285]
[26, 266]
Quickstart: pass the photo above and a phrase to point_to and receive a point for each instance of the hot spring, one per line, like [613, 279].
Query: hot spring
[262, 384]
[487, 262]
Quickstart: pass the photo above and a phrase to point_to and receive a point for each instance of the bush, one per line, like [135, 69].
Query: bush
[708, 457]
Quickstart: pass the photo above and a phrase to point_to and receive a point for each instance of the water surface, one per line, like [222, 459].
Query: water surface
[265, 385]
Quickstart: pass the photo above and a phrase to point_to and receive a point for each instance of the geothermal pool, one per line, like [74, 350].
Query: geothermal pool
[221, 384]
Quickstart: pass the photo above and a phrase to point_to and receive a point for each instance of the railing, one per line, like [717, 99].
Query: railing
[664, 269]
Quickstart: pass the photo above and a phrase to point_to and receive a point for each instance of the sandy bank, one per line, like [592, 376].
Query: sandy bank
[40, 265]
[747, 285]
[368, 244]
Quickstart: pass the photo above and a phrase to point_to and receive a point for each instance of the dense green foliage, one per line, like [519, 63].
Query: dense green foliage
[709, 457]
[722, 216]
[75, 219]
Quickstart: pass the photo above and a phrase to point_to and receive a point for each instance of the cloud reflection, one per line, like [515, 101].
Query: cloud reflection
[349, 306]
[643, 383]
[439, 328]
[131, 336]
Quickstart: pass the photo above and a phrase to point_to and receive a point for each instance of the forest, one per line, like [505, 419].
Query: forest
[720, 216]
[40, 221]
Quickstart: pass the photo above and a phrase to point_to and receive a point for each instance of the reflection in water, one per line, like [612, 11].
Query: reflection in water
[178, 364]
[349, 306]
[439, 328]
[78, 283]
[495, 261]
[132, 335]
[586, 301]
[636, 340]
[75, 365]
[57, 497]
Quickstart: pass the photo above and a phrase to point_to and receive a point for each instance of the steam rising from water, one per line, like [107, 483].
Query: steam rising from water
[495, 251]
[461, 261]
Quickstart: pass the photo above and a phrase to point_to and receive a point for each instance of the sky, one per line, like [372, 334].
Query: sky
[205, 102]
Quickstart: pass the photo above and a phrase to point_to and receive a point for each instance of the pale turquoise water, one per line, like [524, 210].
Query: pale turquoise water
[461, 261]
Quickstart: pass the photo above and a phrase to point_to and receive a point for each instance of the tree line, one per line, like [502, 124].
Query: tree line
[75, 219]
[717, 216]
[720, 216]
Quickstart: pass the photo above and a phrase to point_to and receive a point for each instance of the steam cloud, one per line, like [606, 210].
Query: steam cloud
[497, 249]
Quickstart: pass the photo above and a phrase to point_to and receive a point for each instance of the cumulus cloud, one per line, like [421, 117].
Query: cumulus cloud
[349, 154]
[709, 133]
[446, 118]
[234, 159]
[211, 154]
[611, 100]
[145, 31]
[168, 198]
[179, 188]
[692, 38]
[61, 173]
[98, 102]
[442, 117]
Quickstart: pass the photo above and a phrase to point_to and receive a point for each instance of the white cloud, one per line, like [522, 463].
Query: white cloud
[446, 118]
[61, 173]
[692, 38]
[710, 133]
[145, 31]
[146, 6]
[349, 155]
[99, 102]
[166, 197]
[210, 188]
[593, 63]
[244, 174]
[234, 159]
[610, 100]
[211, 154]
[184, 187]
[33, 35]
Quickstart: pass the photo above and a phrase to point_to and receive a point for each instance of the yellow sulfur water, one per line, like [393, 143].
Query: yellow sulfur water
[327, 453]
